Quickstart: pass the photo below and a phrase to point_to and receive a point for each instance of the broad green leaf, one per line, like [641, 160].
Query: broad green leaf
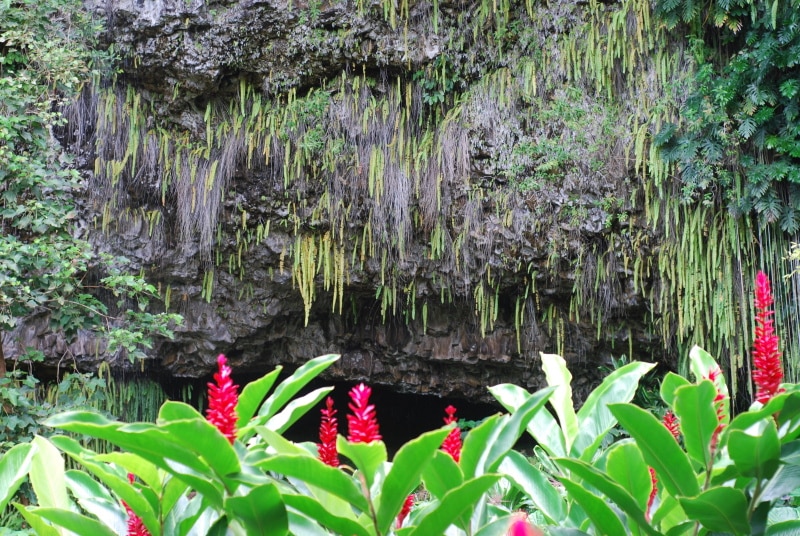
[498, 526]
[784, 528]
[602, 516]
[280, 444]
[473, 451]
[315, 473]
[40, 526]
[669, 385]
[719, 510]
[314, 510]
[558, 375]
[694, 407]
[292, 385]
[367, 457]
[536, 485]
[405, 475]
[261, 511]
[511, 429]
[14, 466]
[624, 464]
[453, 505]
[604, 484]
[790, 453]
[543, 427]
[659, 449]
[594, 418]
[96, 500]
[442, 474]
[301, 523]
[74, 522]
[295, 409]
[785, 480]
[151, 443]
[701, 363]
[251, 397]
[756, 455]
[202, 438]
[47, 475]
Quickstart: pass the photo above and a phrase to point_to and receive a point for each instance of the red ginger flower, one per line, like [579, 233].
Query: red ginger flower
[362, 424]
[653, 493]
[522, 527]
[671, 422]
[452, 443]
[407, 504]
[222, 400]
[328, 429]
[719, 406]
[767, 371]
[135, 525]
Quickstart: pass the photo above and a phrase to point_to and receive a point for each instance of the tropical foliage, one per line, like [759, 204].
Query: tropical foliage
[700, 471]
[739, 136]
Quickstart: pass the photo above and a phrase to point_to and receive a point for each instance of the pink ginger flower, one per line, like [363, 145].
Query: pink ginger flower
[222, 399]
[362, 424]
[135, 525]
[522, 527]
[407, 504]
[452, 443]
[328, 429]
[767, 371]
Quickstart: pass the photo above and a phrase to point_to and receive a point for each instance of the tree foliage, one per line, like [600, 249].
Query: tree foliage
[739, 136]
[47, 54]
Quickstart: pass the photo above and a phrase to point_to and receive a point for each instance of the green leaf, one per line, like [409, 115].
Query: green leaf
[785, 480]
[74, 522]
[292, 385]
[95, 499]
[719, 510]
[14, 466]
[701, 363]
[694, 407]
[36, 522]
[669, 385]
[602, 516]
[543, 427]
[201, 437]
[624, 464]
[315, 473]
[314, 510]
[295, 409]
[47, 475]
[251, 397]
[659, 449]
[442, 474]
[756, 455]
[260, 511]
[604, 484]
[790, 453]
[454, 505]
[536, 486]
[594, 417]
[511, 429]
[558, 376]
[790, 527]
[367, 457]
[405, 475]
[474, 448]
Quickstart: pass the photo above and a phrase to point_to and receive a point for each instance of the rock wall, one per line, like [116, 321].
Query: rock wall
[438, 192]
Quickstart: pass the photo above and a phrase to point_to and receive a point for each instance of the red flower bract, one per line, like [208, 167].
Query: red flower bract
[328, 429]
[719, 407]
[653, 493]
[135, 525]
[407, 504]
[222, 399]
[671, 422]
[767, 371]
[452, 443]
[362, 423]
